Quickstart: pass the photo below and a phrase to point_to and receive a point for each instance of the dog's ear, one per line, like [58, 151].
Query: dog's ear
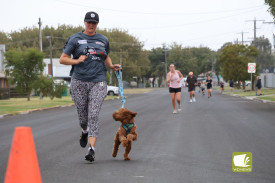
[134, 114]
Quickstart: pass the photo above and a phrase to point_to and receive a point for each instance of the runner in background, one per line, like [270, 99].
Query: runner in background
[209, 86]
[173, 80]
[192, 82]
[222, 86]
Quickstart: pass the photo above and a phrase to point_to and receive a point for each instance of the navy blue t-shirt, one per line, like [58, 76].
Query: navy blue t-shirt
[96, 47]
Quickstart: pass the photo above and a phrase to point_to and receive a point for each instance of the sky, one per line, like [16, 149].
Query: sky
[209, 23]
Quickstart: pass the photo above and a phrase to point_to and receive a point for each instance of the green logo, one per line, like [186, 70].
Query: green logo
[242, 162]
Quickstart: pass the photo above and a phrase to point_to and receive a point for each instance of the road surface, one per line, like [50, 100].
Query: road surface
[192, 146]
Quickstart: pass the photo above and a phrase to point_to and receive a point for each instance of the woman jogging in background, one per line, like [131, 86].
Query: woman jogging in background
[173, 79]
[192, 83]
[222, 86]
[209, 86]
[88, 84]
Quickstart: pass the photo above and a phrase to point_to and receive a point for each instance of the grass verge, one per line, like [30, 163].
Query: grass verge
[253, 93]
[19, 105]
[270, 98]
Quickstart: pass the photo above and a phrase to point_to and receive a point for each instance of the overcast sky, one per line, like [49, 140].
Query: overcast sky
[208, 23]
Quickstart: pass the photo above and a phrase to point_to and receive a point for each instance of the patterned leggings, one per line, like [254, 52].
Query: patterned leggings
[88, 98]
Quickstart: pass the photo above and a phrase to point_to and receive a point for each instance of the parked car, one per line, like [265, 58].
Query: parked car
[112, 90]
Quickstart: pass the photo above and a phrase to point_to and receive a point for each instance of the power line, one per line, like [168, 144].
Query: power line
[191, 23]
[159, 13]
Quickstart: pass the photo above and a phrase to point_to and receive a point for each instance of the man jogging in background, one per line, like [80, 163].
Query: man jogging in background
[192, 82]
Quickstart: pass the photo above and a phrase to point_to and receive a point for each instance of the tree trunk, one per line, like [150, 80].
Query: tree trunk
[29, 96]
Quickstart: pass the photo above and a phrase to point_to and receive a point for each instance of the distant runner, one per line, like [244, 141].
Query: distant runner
[209, 86]
[192, 82]
[173, 79]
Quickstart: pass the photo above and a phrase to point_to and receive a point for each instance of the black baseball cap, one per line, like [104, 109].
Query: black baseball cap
[91, 17]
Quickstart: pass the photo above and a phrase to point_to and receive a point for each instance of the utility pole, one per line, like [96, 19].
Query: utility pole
[120, 63]
[51, 53]
[255, 26]
[242, 36]
[40, 34]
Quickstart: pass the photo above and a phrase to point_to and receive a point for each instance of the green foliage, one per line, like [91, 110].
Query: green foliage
[198, 60]
[157, 64]
[44, 85]
[23, 68]
[127, 49]
[123, 46]
[48, 88]
[234, 59]
[264, 59]
[271, 4]
[59, 90]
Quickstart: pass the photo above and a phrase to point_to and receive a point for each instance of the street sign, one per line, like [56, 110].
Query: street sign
[251, 68]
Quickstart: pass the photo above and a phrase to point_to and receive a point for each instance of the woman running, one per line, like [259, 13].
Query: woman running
[173, 79]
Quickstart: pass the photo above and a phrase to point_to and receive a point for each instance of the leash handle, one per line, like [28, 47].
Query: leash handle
[120, 87]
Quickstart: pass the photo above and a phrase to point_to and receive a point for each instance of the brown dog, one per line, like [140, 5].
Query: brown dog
[126, 132]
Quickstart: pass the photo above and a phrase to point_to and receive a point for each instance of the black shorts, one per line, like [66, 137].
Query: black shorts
[209, 87]
[191, 88]
[174, 90]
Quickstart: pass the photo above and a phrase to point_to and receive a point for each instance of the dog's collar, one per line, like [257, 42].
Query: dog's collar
[127, 127]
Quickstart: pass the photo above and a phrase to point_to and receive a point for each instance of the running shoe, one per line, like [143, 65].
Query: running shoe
[191, 101]
[179, 109]
[91, 155]
[174, 111]
[194, 100]
[83, 139]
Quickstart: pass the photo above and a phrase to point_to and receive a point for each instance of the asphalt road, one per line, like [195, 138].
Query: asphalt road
[192, 146]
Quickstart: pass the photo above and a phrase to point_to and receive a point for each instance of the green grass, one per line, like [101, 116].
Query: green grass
[270, 98]
[18, 105]
[253, 93]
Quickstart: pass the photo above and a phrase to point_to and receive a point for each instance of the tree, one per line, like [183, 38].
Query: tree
[234, 60]
[264, 59]
[23, 68]
[157, 65]
[48, 87]
[271, 4]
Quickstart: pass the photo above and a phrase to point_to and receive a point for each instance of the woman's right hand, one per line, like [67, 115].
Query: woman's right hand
[82, 58]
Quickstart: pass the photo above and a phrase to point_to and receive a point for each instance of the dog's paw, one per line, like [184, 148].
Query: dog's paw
[127, 159]
[114, 155]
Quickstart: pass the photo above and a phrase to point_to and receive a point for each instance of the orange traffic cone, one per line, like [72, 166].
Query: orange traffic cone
[23, 164]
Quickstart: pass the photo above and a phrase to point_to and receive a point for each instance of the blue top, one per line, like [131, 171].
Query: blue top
[96, 47]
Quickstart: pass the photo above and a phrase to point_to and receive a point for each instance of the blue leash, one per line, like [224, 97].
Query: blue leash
[120, 87]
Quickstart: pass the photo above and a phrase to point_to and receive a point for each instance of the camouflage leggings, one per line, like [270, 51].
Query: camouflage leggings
[88, 98]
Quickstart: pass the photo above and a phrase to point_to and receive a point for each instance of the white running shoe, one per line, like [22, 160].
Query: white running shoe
[179, 109]
[191, 101]
[194, 100]
[174, 111]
